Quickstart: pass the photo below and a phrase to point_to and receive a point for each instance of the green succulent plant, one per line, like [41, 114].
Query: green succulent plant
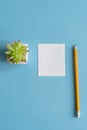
[16, 52]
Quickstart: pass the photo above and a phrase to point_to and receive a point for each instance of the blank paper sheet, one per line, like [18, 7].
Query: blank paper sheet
[51, 59]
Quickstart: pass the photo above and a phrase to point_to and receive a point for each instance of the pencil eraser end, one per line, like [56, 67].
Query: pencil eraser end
[78, 114]
[75, 46]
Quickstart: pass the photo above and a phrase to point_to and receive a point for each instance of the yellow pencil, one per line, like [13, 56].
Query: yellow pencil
[76, 82]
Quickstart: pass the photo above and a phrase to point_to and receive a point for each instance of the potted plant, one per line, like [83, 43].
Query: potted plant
[17, 53]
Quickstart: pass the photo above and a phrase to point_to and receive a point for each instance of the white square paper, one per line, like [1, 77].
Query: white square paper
[51, 59]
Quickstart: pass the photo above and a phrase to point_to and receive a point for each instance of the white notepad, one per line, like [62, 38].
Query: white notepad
[51, 59]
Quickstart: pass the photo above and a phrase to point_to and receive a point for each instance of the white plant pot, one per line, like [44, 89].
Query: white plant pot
[20, 62]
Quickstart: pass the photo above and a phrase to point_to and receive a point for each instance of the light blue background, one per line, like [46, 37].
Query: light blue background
[29, 102]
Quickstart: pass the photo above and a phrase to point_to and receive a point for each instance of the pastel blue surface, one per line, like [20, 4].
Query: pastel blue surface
[29, 102]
